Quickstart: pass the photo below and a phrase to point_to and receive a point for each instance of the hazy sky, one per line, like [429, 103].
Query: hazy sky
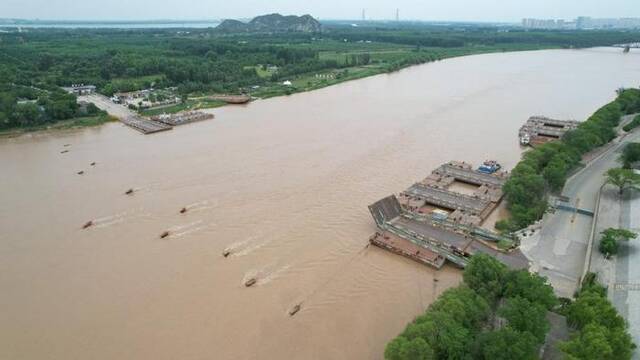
[467, 10]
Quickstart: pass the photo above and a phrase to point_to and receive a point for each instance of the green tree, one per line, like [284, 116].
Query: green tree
[485, 275]
[555, 173]
[589, 344]
[402, 349]
[592, 306]
[448, 338]
[532, 287]
[464, 305]
[27, 115]
[620, 234]
[630, 154]
[608, 246]
[506, 344]
[611, 237]
[525, 316]
[623, 179]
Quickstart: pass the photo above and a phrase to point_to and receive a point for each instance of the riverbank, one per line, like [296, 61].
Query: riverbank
[318, 80]
[83, 122]
[299, 84]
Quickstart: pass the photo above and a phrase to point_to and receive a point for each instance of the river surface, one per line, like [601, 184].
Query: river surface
[283, 184]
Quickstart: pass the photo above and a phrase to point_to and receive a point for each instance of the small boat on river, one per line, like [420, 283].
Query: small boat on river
[294, 310]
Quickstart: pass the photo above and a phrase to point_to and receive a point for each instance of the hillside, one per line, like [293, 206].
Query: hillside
[272, 23]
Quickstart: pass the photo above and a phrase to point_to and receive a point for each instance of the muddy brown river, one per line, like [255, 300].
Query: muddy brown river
[283, 184]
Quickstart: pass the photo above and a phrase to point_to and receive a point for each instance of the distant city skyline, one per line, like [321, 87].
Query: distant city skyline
[427, 10]
[582, 23]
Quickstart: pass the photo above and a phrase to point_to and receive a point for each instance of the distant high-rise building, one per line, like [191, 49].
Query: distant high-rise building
[364, 15]
[397, 14]
[582, 22]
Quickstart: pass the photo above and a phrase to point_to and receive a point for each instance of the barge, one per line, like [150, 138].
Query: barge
[400, 246]
[232, 99]
[540, 129]
[436, 192]
[145, 126]
[431, 224]
[182, 118]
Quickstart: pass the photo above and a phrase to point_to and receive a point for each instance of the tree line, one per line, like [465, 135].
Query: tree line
[546, 167]
[22, 106]
[502, 314]
[600, 332]
[202, 61]
[495, 314]
[454, 37]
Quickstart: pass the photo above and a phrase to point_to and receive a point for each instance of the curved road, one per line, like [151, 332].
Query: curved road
[559, 249]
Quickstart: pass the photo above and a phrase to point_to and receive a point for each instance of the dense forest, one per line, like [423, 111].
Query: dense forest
[33, 64]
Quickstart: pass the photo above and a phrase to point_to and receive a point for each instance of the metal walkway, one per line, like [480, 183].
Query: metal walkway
[470, 176]
[575, 210]
[448, 199]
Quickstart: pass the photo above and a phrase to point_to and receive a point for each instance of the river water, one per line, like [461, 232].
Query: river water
[283, 184]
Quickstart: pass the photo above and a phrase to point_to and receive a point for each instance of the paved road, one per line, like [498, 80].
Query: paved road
[625, 292]
[104, 103]
[558, 250]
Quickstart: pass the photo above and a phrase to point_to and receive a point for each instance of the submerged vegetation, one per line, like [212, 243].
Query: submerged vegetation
[547, 167]
[203, 61]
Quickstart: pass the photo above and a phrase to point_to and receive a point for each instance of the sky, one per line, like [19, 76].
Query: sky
[437, 10]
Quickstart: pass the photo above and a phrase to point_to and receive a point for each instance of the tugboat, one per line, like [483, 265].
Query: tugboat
[489, 167]
[250, 282]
